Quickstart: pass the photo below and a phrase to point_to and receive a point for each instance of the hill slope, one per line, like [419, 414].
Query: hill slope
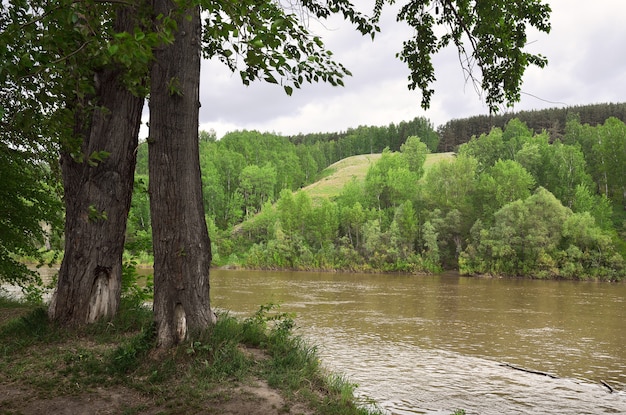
[338, 174]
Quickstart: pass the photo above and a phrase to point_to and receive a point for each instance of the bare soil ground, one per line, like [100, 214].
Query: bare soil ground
[255, 399]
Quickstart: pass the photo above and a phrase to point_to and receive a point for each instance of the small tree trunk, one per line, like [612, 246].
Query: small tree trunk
[182, 250]
[97, 201]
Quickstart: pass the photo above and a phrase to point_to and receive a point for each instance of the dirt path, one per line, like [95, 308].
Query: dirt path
[254, 399]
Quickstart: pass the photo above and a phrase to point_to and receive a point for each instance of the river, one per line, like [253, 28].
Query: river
[434, 344]
[430, 345]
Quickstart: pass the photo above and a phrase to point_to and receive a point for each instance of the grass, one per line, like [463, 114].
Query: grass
[337, 175]
[436, 158]
[248, 366]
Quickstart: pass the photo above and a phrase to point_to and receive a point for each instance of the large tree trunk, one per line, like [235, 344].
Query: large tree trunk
[182, 250]
[97, 200]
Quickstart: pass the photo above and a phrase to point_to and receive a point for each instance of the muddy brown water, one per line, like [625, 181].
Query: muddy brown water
[430, 345]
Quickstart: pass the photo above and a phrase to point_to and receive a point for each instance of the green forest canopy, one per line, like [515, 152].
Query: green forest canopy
[384, 221]
[398, 218]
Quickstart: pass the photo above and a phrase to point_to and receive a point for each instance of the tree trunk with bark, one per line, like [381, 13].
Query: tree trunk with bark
[182, 250]
[97, 194]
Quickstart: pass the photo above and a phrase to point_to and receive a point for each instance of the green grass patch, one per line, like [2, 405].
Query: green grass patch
[336, 176]
[220, 367]
[435, 158]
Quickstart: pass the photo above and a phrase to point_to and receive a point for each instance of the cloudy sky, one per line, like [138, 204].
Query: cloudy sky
[587, 64]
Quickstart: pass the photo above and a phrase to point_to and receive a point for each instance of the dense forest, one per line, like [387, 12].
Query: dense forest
[553, 120]
[513, 202]
[244, 169]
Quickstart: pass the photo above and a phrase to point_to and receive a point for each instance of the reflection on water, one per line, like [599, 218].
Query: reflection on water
[429, 345]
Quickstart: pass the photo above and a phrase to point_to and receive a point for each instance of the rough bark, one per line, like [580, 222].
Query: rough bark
[182, 250]
[97, 197]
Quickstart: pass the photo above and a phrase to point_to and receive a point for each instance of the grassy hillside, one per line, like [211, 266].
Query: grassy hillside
[337, 175]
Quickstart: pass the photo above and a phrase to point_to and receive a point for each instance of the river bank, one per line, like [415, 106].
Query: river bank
[436, 343]
[247, 367]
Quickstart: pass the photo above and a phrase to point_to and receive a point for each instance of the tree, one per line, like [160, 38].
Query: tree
[307, 163]
[352, 220]
[590, 251]
[415, 151]
[486, 149]
[221, 169]
[599, 206]
[495, 41]
[97, 200]
[73, 76]
[539, 237]
[419, 127]
[612, 147]
[504, 182]
[450, 184]
[29, 196]
[495, 32]
[431, 247]
[379, 186]
[257, 186]
[525, 235]
[515, 134]
[564, 168]
[139, 226]
[182, 249]
[28, 200]
[323, 225]
[531, 156]
[405, 219]
[449, 191]
[448, 230]
[604, 147]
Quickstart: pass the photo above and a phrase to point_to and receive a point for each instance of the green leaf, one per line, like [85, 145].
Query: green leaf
[277, 24]
[97, 157]
[288, 90]
[113, 49]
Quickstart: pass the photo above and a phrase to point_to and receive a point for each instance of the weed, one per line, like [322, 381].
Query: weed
[129, 355]
[217, 351]
[133, 293]
[27, 330]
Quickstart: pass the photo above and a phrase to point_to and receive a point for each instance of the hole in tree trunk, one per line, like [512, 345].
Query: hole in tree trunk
[99, 302]
[181, 323]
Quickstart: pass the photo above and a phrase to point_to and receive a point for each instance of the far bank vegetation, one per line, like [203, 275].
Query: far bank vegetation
[509, 202]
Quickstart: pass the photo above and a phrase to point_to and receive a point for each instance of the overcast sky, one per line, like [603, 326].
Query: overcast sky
[586, 50]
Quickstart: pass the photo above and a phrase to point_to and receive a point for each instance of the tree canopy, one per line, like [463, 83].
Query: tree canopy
[481, 211]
